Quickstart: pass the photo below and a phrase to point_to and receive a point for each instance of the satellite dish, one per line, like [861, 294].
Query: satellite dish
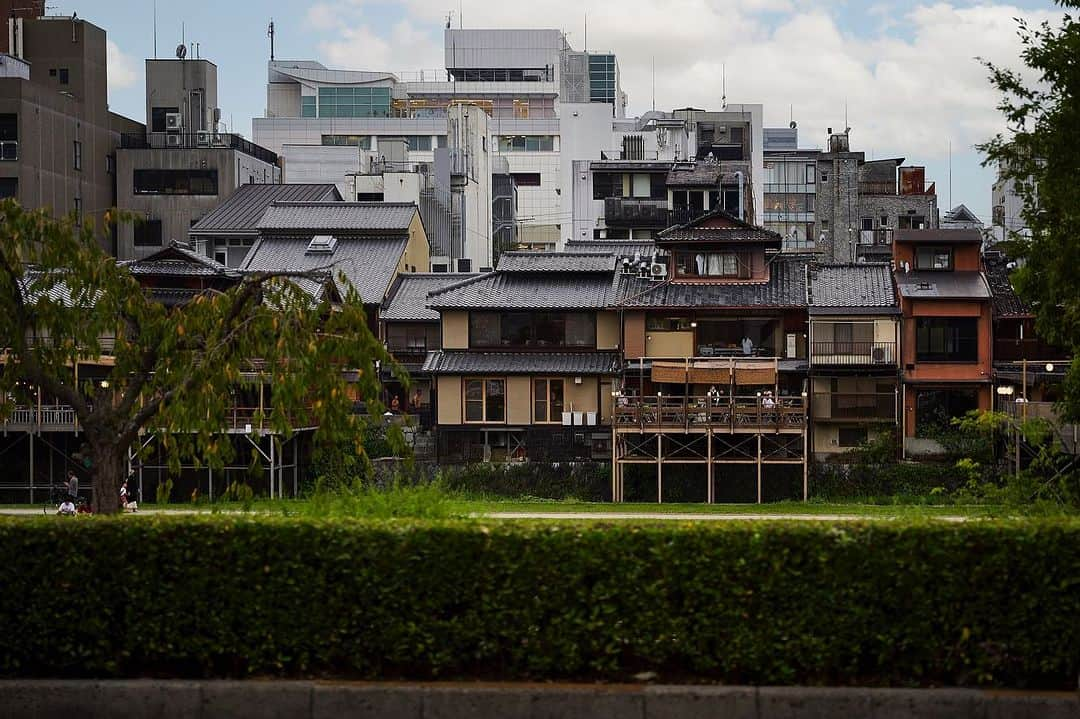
[181, 51]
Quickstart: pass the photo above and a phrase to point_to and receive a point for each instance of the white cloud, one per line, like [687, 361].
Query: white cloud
[122, 72]
[911, 83]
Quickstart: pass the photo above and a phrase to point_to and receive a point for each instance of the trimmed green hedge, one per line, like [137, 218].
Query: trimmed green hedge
[897, 602]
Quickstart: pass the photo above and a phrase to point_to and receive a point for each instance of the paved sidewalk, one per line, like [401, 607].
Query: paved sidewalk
[254, 699]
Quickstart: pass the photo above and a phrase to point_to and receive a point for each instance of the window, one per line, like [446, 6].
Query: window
[148, 233]
[63, 73]
[867, 223]
[667, 324]
[712, 264]
[485, 400]
[547, 400]
[369, 197]
[110, 164]
[911, 222]
[606, 184]
[419, 143]
[354, 102]
[824, 177]
[307, 106]
[77, 159]
[526, 179]
[640, 185]
[851, 436]
[533, 330]
[947, 339]
[9, 137]
[933, 258]
[526, 143]
[811, 171]
[176, 182]
[78, 208]
[415, 337]
[9, 187]
[361, 141]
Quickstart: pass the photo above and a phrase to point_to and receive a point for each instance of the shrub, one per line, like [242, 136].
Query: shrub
[898, 602]
[588, 482]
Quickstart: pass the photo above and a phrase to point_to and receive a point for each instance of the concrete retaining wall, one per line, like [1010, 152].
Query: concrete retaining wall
[153, 699]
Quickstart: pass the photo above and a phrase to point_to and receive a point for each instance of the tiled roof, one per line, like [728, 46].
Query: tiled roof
[240, 212]
[942, 285]
[178, 260]
[354, 217]
[620, 248]
[1006, 302]
[701, 174]
[368, 263]
[556, 262]
[409, 296]
[786, 287]
[558, 363]
[718, 234]
[936, 237]
[527, 290]
[850, 288]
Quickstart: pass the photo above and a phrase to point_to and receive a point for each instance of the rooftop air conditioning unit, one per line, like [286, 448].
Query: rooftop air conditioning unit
[658, 270]
[174, 121]
[627, 268]
[202, 138]
[174, 141]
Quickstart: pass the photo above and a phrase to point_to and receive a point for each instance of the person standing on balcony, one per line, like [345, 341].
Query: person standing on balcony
[417, 400]
[747, 346]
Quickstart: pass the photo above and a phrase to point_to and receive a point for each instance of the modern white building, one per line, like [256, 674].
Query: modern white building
[543, 100]
[1007, 208]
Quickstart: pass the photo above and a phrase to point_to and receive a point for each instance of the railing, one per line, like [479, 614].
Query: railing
[881, 236]
[843, 353]
[854, 405]
[47, 417]
[1015, 350]
[738, 413]
[636, 212]
[179, 140]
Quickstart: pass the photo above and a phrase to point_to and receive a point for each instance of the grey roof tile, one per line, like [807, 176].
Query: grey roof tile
[556, 262]
[352, 217]
[409, 296]
[786, 287]
[527, 290]
[564, 363]
[1006, 302]
[940, 236]
[619, 248]
[864, 287]
[241, 211]
[369, 263]
[178, 260]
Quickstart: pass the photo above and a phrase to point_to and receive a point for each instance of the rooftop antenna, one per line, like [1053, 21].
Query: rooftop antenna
[723, 86]
[155, 29]
[449, 18]
[654, 83]
[950, 175]
[460, 14]
[585, 41]
[270, 34]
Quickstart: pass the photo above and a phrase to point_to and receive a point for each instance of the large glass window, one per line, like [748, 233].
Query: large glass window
[412, 337]
[354, 102]
[933, 258]
[606, 184]
[361, 141]
[547, 400]
[526, 143]
[307, 106]
[485, 400]
[532, 329]
[176, 182]
[712, 264]
[947, 339]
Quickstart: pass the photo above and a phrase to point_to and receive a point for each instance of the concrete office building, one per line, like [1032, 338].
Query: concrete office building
[528, 82]
[182, 167]
[57, 137]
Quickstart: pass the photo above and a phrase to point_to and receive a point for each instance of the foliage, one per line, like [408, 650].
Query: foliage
[585, 481]
[1039, 152]
[397, 499]
[892, 482]
[62, 299]
[897, 602]
[164, 491]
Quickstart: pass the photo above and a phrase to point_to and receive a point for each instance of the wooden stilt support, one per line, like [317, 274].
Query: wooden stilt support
[759, 468]
[710, 494]
[659, 466]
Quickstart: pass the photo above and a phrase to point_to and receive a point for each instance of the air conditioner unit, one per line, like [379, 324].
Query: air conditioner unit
[879, 355]
[658, 270]
[174, 141]
[202, 138]
[174, 121]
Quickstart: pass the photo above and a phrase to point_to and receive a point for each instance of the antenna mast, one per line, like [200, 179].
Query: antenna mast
[270, 33]
[654, 83]
[723, 86]
[585, 41]
[155, 29]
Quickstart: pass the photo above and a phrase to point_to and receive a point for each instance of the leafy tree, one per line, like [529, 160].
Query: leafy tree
[1040, 153]
[171, 370]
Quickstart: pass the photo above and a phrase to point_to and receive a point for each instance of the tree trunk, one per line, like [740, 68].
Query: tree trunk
[107, 474]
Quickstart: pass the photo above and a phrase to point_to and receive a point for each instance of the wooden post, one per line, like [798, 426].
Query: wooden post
[271, 466]
[31, 466]
[805, 458]
[614, 455]
[759, 467]
[659, 468]
[710, 494]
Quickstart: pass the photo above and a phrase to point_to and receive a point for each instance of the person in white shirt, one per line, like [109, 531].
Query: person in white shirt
[767, 401]
[67, 508]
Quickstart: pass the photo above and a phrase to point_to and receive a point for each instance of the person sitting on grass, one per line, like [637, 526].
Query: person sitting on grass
[125, 498]
[67, 508]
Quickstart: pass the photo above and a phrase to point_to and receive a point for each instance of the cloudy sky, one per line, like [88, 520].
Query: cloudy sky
[906, 72]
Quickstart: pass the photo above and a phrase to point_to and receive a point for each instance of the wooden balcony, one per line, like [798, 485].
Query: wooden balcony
[854, 406]
[850, 354]
[703, 414]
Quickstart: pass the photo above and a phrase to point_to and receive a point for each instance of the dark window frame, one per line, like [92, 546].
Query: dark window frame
[148, 233]
[544, 398]
[927, 256]
[529, 330]
[155, 182]
[486, 403]
[952, 340]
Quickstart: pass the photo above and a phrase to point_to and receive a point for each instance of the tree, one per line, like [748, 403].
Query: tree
[171, 370]
[1040, 153]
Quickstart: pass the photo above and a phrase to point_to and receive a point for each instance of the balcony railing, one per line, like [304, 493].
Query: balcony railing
[844, 354]
[874, 406]
[46, 418]
[723, 413]
[635, 212]
[881, 236]
[204, 139]
[1015, 350]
